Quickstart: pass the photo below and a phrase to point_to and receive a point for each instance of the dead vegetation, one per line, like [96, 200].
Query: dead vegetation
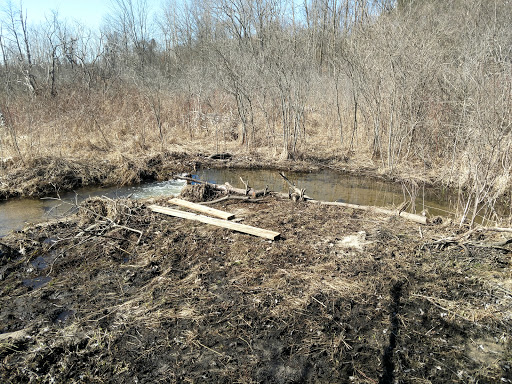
[342, 297]
[46, 176]
[199, 192]
[406, 87]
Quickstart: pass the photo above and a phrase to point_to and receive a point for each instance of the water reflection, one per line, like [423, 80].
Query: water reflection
[329, 186]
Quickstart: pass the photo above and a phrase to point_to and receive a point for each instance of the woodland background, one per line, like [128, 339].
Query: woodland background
[417, 87]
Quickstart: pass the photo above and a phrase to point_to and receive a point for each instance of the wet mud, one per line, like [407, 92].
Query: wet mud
[344, 296]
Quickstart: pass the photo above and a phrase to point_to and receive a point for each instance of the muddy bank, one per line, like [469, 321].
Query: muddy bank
[344, 296]
[48, 176]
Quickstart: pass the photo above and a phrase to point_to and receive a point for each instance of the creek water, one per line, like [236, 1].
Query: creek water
[331, 186]
[16, 213]
[323, 185]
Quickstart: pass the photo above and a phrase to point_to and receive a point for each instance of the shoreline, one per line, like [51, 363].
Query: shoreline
[46, 175]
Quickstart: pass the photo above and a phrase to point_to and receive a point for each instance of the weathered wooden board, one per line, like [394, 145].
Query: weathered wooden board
[264, 233]
[201, 208]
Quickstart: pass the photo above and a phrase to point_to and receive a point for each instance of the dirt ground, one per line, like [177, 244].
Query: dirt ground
[117, 293]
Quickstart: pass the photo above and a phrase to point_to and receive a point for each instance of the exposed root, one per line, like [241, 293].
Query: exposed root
[198, 193]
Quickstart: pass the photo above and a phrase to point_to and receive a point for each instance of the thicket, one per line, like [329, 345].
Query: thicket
[410, 84]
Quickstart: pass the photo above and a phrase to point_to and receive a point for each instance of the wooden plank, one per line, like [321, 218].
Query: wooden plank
[271, 235]
[201, 208]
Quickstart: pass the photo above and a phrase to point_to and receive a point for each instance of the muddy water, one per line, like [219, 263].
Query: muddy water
[15, 213]
[330, 186]
[325, 185]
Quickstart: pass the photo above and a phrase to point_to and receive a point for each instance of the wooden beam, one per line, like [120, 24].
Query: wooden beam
[201, 208]
[271, 235]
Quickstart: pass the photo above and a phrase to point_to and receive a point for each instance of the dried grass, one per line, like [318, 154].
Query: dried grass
[213, 296]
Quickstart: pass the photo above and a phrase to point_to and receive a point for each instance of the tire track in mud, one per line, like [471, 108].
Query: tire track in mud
[388, 364]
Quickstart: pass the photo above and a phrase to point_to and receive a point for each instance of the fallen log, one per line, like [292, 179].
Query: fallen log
[201, 208]
[264, 233]
[226, 188]
[389, 212]
[300, 194]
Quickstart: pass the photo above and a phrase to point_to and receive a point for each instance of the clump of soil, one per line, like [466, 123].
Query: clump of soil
[198, 192]
[117, 293]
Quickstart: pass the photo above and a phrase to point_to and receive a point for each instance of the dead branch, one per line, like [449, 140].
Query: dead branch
[231, 197]
[227, 188]
[246, 183]
[295, 193]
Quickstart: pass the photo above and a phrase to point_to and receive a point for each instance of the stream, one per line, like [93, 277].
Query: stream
[323, 185]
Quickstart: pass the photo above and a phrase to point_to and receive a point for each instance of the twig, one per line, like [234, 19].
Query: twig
[128, 229]
[366, 377]
[208, 348]
[432, 300]
[230, 197]
[319, 302]
[246, 342]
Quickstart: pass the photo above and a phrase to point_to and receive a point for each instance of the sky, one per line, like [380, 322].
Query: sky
[89, 12]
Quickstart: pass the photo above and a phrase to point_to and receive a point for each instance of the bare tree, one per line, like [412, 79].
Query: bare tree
[16, 25]
[129, 19]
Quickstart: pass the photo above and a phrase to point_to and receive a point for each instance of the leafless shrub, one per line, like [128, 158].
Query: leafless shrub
[406, 83]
